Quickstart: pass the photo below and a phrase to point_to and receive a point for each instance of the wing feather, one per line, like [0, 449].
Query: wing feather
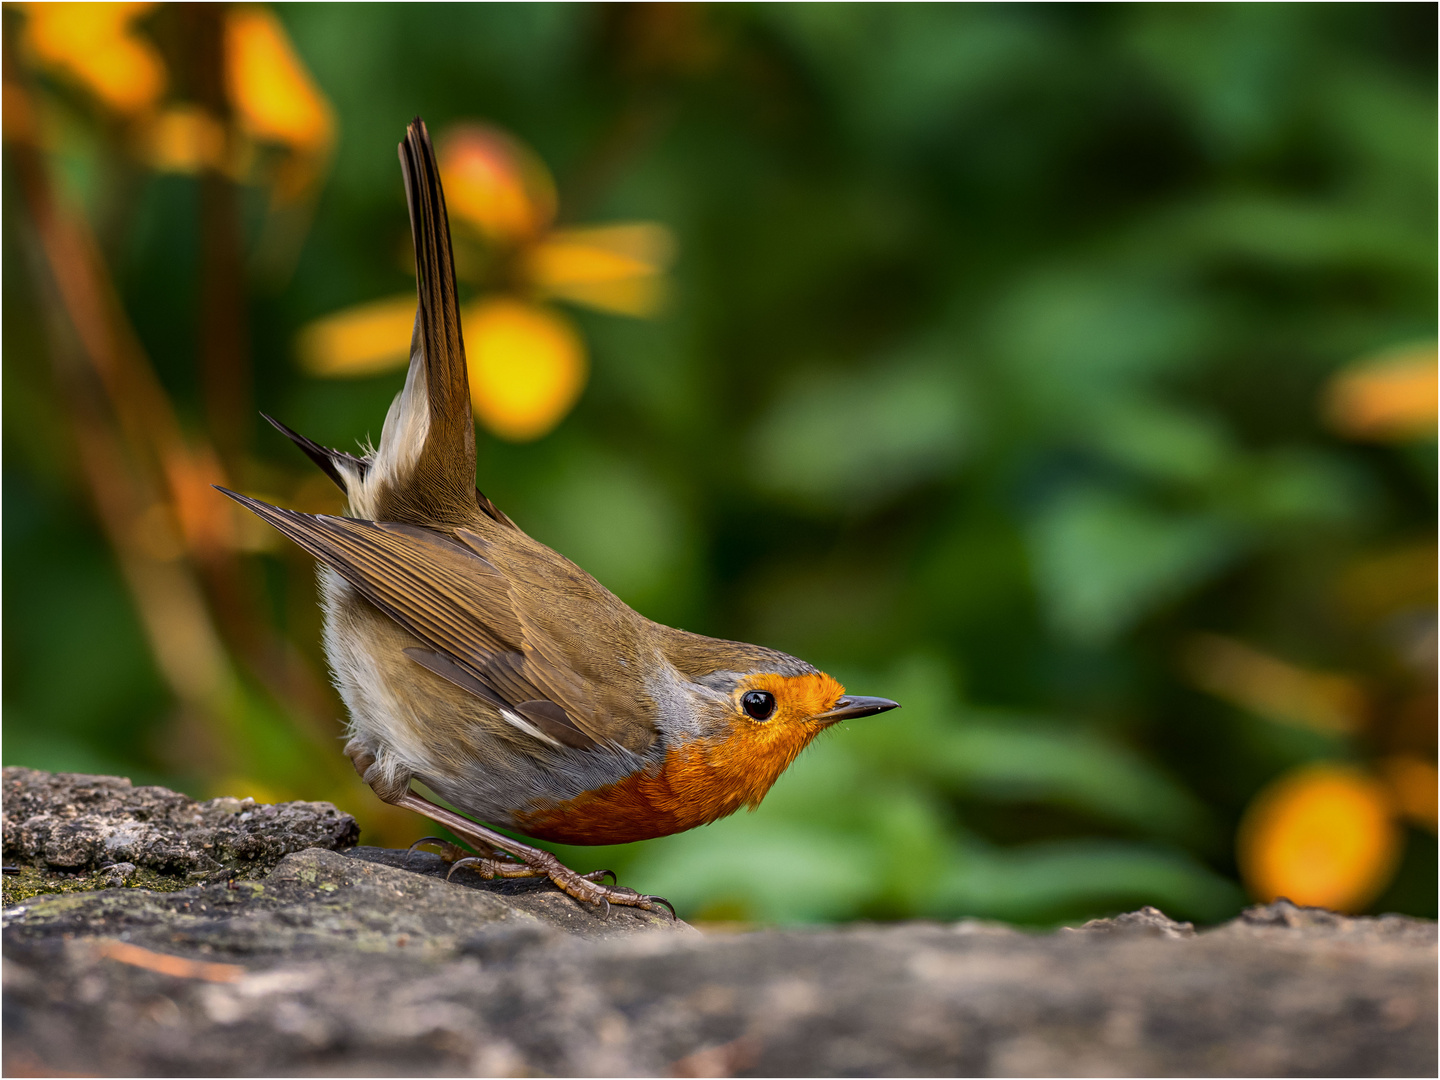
[453, 599]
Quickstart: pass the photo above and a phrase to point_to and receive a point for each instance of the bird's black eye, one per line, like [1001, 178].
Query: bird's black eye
[758, 704]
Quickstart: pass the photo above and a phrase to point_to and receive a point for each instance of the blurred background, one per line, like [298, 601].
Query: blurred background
[1065, 373]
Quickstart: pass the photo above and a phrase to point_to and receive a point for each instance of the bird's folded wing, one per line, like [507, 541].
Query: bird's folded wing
[580, 644]
[457, 603]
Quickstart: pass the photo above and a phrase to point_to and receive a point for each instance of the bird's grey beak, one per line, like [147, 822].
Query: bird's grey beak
[850, 706]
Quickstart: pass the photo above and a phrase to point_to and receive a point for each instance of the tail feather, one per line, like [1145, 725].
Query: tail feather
[448, 454]
[424, 469]
[344, 468]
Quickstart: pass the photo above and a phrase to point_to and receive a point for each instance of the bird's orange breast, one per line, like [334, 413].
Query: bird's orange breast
[695, 784]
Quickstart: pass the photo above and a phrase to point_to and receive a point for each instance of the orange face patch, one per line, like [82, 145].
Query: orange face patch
[700, 782]
[797, 697]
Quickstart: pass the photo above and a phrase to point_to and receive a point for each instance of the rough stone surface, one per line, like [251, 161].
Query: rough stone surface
[370, 963]
[1147, 919]
[98, 831]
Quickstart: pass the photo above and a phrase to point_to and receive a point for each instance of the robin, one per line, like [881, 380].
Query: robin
[498, 673]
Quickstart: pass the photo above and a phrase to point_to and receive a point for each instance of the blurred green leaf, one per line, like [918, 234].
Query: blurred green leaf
[906, 71]
[1007, 759]
[1297, 487]
[1237, 67]
[1305, 234]
[1053, 881]
[617, 520]
[1160, 440]
[1010, 758]
[763, 870]
[848, 440]
[30, 744]
[1103, 561]
[1074, 338]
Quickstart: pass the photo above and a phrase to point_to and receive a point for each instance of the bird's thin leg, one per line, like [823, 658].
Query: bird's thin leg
[489, 864]
[452, 852]
[492, 863]
[537, 861]
[533, 862]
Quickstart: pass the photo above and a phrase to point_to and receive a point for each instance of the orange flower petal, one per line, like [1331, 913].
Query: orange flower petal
[360, 340]
[206, 526]
[1392, 397]
[527, 367]
[646, 244]
[637, 296]
[614, 267]
[1322, 835]
[555, 262]
[495, 183]
[273, 93]
[93, 43]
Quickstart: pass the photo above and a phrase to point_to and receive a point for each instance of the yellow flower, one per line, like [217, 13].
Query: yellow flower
[495, 183]
[527, 362]
[612, 267]
[274, 99]
[184, 139]
[274, 96]
[360, 340]
[527, 366]
[95, 44]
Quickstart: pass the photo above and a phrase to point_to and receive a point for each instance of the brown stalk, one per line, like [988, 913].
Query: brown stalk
[128, 493]
[224, 344]
[151, 487]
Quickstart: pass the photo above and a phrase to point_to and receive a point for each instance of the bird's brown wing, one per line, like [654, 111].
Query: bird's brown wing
[463, 609]
[581, 642]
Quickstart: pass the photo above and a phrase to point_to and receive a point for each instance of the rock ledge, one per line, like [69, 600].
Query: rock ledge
[367, 961]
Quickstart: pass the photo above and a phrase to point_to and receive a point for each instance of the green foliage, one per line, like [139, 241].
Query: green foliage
[993, 373]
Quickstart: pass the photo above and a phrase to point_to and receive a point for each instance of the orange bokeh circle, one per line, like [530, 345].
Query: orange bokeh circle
[1322, 835]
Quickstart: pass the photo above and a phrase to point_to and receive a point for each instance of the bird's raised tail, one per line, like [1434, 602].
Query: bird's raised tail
[424, 469]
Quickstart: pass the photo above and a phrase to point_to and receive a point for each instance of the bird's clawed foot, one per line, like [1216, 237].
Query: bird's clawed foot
[490, 869]
[583, 887]
[586, 887]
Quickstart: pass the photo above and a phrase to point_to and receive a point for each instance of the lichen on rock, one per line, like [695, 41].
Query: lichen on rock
[67, 832]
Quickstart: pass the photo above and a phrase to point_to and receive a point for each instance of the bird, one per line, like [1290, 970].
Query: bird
[479, 662]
